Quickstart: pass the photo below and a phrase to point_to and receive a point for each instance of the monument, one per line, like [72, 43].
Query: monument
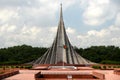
[61, 50]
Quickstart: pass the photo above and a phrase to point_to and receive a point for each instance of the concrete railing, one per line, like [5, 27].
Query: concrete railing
[99, 75]
[117, 71]
[8, 74]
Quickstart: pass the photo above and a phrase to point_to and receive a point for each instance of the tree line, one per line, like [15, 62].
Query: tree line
[20, 54]
[101, 54]
[25, 53]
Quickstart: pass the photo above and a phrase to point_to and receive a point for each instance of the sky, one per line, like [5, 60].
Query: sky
[34, 22]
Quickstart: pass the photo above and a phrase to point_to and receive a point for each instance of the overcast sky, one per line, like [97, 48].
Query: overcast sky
[34, 22]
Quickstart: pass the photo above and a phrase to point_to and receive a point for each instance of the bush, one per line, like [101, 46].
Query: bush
[118, 66]
[96, 67]
[104, 67]
[8, 66]
[0, 66]
[1, 72]
[28, 67]
[114, 66]
[12, 66]
[109, 66]
[16, 66]
[109, 62]
[21, 67]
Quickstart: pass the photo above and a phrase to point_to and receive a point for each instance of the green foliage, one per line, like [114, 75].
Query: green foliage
[109, 62]
[118, 67]
[16, 66]
[104, 67]
[109, 66]
[12, 66]
[28, 67]
[20, 54]
[24, 54]
[101, 54]
[1, 72]
[114, 66]
[96, 67]
[0, 66]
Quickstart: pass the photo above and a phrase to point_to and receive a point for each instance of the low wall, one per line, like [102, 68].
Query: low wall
[95, 76]
[99, 75]
[8, 74]
[64, 79]
[117, 71]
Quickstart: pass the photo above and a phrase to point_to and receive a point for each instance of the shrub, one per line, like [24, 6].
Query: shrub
[28, 67]
[109, 62]
[104, 67]
[118, 66]
[96, 67]
[114, 66]
[1, 72]
[16, 66]
[109, 66]
[21, 66]
[7, 67]
[1, 67]
[12, 66]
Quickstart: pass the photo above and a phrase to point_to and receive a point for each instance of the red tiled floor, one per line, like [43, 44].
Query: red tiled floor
[24, 75]
[109, 75]
[29, 74]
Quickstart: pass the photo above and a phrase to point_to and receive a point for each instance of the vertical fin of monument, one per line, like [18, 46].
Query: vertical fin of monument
[61, 49]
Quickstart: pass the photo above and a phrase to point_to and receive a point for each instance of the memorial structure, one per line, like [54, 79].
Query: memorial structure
[61, 50]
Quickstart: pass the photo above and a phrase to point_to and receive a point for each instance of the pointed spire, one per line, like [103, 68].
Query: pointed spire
[61, 15]
[61, 49]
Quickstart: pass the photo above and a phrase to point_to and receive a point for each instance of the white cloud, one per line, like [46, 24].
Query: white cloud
[34, 22]
[7, 14]
[53, 29]
[70, 30]
[28, 21]
[30, 31]
[108, 36]
[7, 28]
[101, 33]
[117, 21]
[99, 11]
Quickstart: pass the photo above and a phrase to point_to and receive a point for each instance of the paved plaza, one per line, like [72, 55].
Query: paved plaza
[29, 74]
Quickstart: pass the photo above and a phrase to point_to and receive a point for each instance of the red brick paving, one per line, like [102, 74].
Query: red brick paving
[29, 74]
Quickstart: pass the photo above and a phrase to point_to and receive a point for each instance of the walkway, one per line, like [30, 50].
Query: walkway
[109, 75]
[24, 75]
[29, 74]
